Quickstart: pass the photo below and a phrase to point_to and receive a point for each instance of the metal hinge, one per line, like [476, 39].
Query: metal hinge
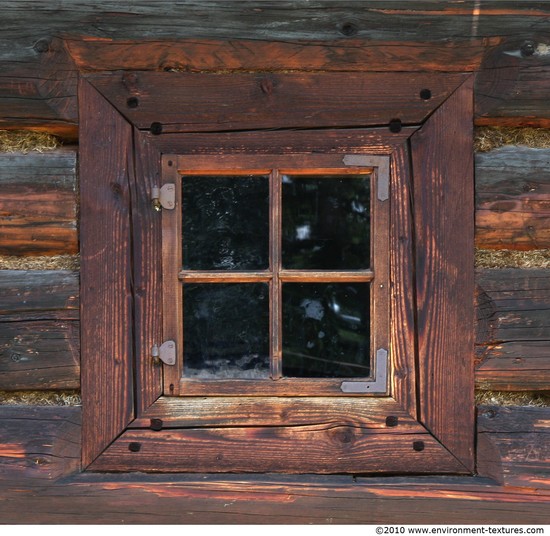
[166, 353]
[379, 384]
[164, 197]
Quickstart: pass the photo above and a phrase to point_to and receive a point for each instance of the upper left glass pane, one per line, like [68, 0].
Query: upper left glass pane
[225, 222]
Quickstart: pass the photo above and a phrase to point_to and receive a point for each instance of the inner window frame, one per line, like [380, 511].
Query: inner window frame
[174, 167]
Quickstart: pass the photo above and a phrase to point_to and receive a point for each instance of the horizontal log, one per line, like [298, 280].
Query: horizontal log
[38, 295]
[38, 76]
[514, 446]
[513, 342]
[39, 355]
[38, 206]
[513, 198]
[39, 330]
[40, 483]
[38, 443]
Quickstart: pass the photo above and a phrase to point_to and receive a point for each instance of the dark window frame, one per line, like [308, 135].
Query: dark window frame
[427, 424]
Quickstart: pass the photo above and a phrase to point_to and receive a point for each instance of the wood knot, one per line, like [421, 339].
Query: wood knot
[266, 85]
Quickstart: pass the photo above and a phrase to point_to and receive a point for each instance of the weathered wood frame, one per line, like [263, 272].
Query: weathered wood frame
[431, 251]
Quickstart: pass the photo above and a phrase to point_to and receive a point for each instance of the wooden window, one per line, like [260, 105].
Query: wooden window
[277, 287]
[268, 169]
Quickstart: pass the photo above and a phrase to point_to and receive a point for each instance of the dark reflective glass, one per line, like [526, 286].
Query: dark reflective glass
[326, 222]
[326, 330]
[226, 330]
[225, 223]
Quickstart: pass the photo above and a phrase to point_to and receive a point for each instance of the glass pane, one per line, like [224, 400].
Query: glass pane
[326, 222]
[326, 330]
[225, 223]
[226, 330]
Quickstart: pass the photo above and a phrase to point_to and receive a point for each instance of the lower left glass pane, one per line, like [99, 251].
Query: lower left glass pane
[226, 331]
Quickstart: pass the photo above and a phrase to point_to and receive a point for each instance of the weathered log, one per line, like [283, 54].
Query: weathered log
[513, 343]
[38, 205]
[38, 78]
[513, 198]
[513, 446]
[40, 483]
[38, 295]
[38, 443]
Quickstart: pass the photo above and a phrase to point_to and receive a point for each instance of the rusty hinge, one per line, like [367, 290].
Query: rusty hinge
[164, 197]
[166, 353]
[379, 384]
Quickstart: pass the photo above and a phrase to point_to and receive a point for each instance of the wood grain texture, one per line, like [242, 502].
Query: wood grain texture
[38, 444]
[106, 170]
[198, 412]
[514, 446]
[38, 206]
[39, 354]
[513, 198]
[38, 87]
[402, 327]
[39, 295]
[442, 161]
[331, 448]
[513, 346]
[203, 102]
[147, 274]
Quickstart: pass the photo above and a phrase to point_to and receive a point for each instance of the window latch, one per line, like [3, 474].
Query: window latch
[164, 197]
[166, 353]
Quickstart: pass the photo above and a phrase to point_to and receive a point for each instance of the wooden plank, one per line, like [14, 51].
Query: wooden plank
[402, 325]
[513, 445]
[39, 355]
[147, 271]
[38, 295]
[38, 76]
[189, 102]
[442, 161]
[174, 412]
[513, 340]
[106, 170]
[38, 206]
[513, 198]
[331, 448]
[38, 444]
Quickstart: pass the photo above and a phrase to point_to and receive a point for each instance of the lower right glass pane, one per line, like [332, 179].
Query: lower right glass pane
[326, 330]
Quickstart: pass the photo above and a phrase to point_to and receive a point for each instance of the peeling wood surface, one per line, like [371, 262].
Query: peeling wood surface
[513, 198]
[38, 205]
[513, 329]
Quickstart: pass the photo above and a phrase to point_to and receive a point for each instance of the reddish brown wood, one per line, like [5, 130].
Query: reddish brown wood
[513, 198]
[331, 448]
[513, 445]
[184, 102]
[442, 160]
[38, 203]
[513, 327]
[106, 170]
[147, 272]
[38, 295]
[402, 327]
[38, 444]
[39, 355]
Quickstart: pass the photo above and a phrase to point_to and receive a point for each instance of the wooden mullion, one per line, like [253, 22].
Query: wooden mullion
[312, 276]
[187, 276]
[275, 289]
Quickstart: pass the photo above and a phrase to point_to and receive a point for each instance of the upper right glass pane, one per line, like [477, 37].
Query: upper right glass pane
[326, 222]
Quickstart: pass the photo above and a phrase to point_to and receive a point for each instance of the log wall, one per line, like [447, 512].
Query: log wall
[42, 49]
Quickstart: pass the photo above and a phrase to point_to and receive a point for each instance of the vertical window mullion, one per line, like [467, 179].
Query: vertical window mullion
[275, 286]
